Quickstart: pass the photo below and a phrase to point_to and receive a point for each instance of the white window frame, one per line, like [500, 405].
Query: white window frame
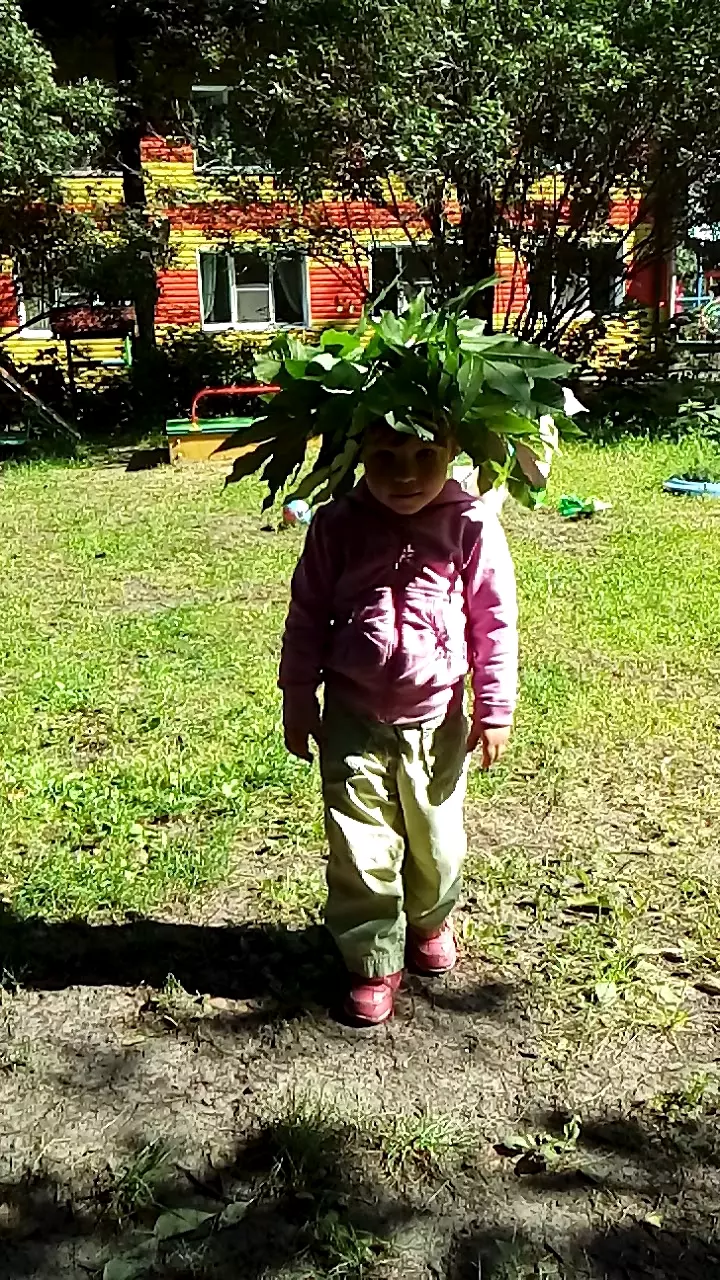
[252, 326]
[399, 249]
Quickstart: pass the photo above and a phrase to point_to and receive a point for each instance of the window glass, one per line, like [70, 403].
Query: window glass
[384, 271]
[605, 278]
[38, 294]
[416, 273]
[249, 289]
[252, 289]
[412, 265]
[289, 289]
[215, 285]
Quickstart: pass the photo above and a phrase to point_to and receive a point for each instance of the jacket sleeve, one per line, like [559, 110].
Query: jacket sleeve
[307, 629]
[491, 609]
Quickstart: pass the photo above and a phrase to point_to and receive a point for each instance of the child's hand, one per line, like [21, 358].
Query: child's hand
[301, 723]
[493, 742]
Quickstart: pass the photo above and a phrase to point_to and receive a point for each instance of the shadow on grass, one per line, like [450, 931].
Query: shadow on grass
[297, 969]
[243, 962]
[626, 1252]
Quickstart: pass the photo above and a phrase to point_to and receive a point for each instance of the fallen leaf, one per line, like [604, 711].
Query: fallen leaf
[606, 992]
[234, 1213]
[125, 1269]
[129, 1266]
[179, 1222]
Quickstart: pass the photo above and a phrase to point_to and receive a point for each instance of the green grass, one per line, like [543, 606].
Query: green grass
[134, 1185]
[140, 619]
[139, 632]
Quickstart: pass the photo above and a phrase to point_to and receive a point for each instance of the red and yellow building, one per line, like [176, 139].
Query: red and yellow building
[242, 265]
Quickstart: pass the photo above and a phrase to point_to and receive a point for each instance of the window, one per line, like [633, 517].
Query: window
[247, 290]
[605, 278]
[38, 293]
[582, 279]
[216, 150]
[211, 127]
[413, 265]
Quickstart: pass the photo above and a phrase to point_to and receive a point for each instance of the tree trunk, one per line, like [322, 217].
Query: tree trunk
[478, 241]
[135, 198]
[134, 194]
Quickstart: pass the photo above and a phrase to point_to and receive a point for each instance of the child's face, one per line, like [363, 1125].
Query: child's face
[404, 472]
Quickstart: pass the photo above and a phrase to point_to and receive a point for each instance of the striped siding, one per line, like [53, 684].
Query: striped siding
[165, 151]
[204, 213]
[88, 192]
[337, 292]
[9, 318]
[26, 351]
[624, 206]
[179, 300]
[511, 292]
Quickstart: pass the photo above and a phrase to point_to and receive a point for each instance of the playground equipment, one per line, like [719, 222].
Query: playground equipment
[197, 439]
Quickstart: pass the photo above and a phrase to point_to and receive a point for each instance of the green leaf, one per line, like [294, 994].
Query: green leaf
[295, 368]
[523, 493]
[288, 456]
[342, 342]
[471, 376]
[261, 430]
[421, 373]
[343, 463]
[180, 1222]
[459, 303]
[311, 482]
[509, 380]
[266, 369]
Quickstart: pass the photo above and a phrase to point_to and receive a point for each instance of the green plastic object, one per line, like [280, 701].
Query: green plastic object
[14, 439]
[571, 507]
[207, 426]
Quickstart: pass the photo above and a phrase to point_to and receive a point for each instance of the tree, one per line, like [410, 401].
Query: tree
[151, 51]
[46, 128]
[471, 104]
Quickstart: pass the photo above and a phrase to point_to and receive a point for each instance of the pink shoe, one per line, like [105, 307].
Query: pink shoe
[370, 1001]
[432, 953]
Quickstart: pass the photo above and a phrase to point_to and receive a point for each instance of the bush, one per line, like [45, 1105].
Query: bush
[655, 411]
[125, 406]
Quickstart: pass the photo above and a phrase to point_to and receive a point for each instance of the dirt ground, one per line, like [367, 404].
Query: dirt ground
[238, 1057]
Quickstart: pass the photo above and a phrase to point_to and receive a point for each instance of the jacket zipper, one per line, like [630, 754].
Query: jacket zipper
[397, 592]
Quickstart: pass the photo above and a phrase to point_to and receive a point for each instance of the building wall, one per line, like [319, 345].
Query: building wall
[89, 193]
[204, 214]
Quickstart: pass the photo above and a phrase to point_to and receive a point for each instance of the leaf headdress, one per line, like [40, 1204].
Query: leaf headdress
[430, 373]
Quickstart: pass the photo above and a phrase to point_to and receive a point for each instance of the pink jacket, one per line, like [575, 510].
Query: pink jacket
[390, 612]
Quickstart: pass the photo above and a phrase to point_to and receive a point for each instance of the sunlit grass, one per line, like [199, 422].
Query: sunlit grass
[140, 621]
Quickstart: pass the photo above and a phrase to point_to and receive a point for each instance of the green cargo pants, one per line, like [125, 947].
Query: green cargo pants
[394, 820]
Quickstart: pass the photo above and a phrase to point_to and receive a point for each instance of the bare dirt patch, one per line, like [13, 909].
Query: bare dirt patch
[215, 1043]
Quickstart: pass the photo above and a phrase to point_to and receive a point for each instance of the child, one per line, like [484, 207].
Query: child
[403, 586]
